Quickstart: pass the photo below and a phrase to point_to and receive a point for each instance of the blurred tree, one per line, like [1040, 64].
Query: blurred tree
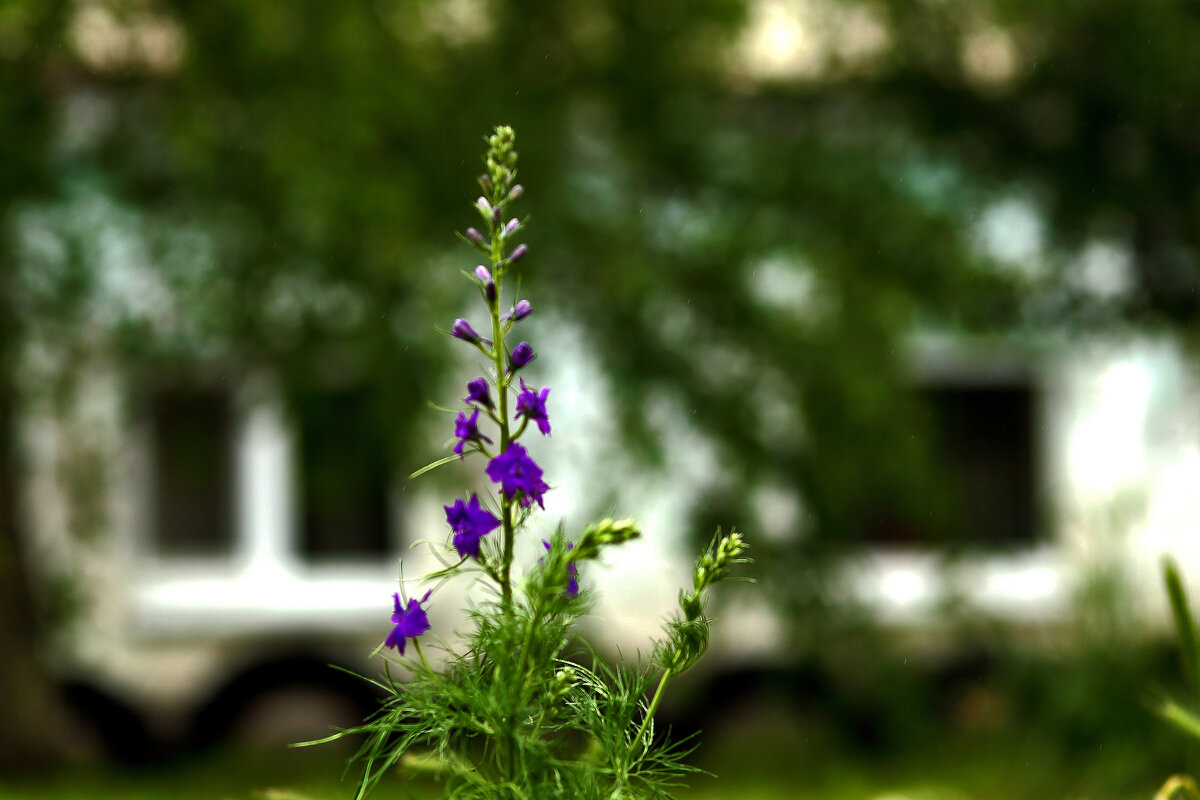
[749, 205]
[30, 727]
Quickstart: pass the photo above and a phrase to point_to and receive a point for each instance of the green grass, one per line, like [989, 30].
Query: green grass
[766, 761]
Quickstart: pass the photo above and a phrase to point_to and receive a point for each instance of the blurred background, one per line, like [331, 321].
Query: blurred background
[905, 291]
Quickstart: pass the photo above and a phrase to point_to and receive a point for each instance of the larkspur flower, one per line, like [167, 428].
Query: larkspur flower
[410, 622]
[572, 571]
[520, 310]
[478, 391]
[467, 430]
[470, 523]
[517, 474]
[532, 406]
[522, 354]
[461, 329]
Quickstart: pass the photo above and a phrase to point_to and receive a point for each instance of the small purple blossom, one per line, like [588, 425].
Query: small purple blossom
[521, 310]
[467, 430]
[470, 524]
[463, 330]
[532, 406]
[482, 273]
[483, 205]
[410, 622]
[511, 227]
[522, 354]
[516, 192]
[478, 392]
[517, 474]
[572, 571]
[474, 237]
[518, 253]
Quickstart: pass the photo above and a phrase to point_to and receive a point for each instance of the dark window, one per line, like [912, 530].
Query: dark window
[344, 477]
[982, 444]
[193, 471]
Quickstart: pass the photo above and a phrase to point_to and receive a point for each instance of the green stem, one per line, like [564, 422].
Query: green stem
[654, 701]
[421, 653]
[498, 353]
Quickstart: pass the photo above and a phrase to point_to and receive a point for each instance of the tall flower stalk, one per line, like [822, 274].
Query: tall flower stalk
[522, 709]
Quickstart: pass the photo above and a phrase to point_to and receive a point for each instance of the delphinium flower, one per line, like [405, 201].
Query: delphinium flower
[518, 475]
[532, 406]
[467, 430]
[470, 523]
[410, 622]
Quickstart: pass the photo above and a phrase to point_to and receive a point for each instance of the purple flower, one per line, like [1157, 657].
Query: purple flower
[482, 274]
[463, 330]
[532, 405]
[475, 237]
[520, 311]
[467, 430]
[516, 192]
[518, 253]
[477, 392]
[470, 524]
[511, 227]
[517, 474]
[572, 571]
[522, 354]
[410, 622]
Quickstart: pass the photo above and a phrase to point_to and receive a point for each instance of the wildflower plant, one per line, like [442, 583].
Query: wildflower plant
[508, 715]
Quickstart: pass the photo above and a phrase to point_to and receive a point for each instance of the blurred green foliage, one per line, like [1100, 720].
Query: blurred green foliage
[748, 251]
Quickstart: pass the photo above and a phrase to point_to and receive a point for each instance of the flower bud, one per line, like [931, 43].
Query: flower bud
[518, 253]
[463, 330]
[516, 192]
[691, 604]
[474, 236]
[483, 205]
[522, 354]
[478, 392]
[489, 286]
[520, 311]
[511, 227]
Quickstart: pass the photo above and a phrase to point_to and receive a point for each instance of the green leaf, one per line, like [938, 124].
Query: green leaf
[1179, 787]
[1185, 626]
[1185, 719]
[433, 466]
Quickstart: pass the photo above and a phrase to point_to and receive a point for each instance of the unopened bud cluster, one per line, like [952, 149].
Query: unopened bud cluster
[557, 692]
[604, 533]
[688, 637]
[714, 565]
